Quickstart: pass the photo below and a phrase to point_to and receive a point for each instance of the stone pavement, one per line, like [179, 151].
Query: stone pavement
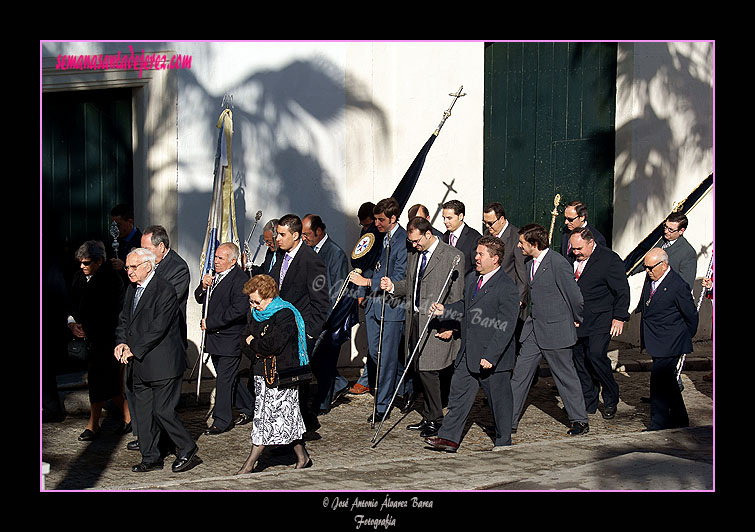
[614, 455]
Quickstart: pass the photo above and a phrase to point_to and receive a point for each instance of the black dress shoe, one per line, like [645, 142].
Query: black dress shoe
[609, 412]
[379, 417]
[88, 435]
[243, 419]
[431, 429]
[578, 428]
[408, 403]
[215, 430]
[337, 395]
[184, 463]
[133, 445]
[125, 428]
[145, 467]
[422, 425]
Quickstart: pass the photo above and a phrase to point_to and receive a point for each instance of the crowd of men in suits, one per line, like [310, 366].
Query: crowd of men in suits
[445, 313]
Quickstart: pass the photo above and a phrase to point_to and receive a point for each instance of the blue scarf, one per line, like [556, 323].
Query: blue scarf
[276, 305]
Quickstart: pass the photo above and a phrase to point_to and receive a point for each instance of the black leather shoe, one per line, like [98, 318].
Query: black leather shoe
[125, 428]
[431, 429]
[133, 445]
[214, 430]
[609, 412]
[184, 463]
[379, 417]
[408, 403]
[578, 428]
[422, 425]
[145, 467]
[337, 395]
[243, 419]
[88, 435]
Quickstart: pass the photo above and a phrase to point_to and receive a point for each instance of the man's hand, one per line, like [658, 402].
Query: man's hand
[485, 364]
[436, 309]
[617, 326]
[445, 334]
[386, 284]
[207, 281]
[358, 279]
[77, 330]
[123, 353]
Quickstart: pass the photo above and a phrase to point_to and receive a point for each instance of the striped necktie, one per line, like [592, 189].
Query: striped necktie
[137, 295]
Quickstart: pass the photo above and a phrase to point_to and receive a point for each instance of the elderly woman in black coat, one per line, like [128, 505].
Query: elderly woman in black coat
[96, 301]
[274, 339]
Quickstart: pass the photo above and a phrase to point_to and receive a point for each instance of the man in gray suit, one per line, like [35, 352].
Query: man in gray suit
[330, 385]
[681, 255]
[550, 328]
[426, 273]
[494, 220]
[486, 357]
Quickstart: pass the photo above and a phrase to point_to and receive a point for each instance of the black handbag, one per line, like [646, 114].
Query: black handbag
[287, 377]
[78, 349]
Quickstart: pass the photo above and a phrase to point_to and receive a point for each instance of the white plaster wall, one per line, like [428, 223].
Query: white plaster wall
[664, 149]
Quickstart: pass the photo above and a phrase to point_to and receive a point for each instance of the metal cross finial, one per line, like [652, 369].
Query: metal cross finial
[458, 94]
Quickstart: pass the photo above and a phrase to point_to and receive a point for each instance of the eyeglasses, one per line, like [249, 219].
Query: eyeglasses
[255, 302]
[86, 262]
[570, 220]
[667, 229]
[649, 268]
[491, 224]
[414, 242]
[127, 267]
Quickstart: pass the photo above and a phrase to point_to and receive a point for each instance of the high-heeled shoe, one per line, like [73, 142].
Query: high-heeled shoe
[88, 435]
[307, 465]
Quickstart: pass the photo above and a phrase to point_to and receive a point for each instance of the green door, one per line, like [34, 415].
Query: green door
[87, 165]
[549, 129]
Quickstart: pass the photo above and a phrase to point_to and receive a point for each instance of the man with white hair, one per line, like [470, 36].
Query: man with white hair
[148, 339]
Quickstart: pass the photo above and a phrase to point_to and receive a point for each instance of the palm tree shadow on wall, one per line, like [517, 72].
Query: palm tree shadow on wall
[277, 115]
[649, 170]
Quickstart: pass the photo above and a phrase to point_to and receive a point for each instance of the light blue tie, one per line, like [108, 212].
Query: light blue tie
[137, 295]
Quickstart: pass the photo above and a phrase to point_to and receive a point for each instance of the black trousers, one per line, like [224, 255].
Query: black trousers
[667, 408]
[228, 393]
[593, 367]
[154, 407]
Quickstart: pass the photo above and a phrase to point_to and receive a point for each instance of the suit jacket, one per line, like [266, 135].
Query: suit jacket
[683, 259]
[226, 313]
[336, 266]
[152, 331]
[488, 320]
[175, 270]
[605, 291]
[434, 354]
[555, 304]
[513, 263]
[565, 234]
[396, 271]
[305, 287]
[266, 265]
[467, 244]
[669, 317]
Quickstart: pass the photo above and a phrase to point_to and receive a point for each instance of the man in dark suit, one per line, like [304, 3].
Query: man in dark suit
[549, 331]
[603, 283]
[682, 257]
[269, 234]
[392, 265]
[421, 211]
[227, 307]
[460, 235]
[129, 236]
[426, 274]
[575, 216]
[330, 385]
[488, 315]
[303, 282]
[170, 266]
[669, 321]
[494, 219]
[149, 340]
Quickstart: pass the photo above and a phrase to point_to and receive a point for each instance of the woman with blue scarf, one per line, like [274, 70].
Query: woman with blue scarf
[274, 329]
